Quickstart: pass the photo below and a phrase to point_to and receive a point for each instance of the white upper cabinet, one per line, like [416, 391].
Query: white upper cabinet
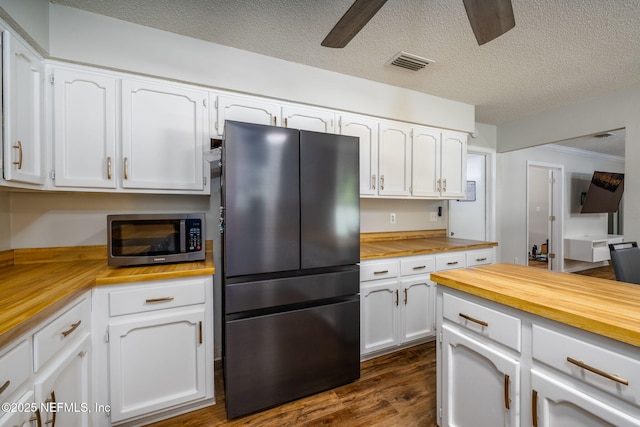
[84, 126]
[262, 112]
[425, 162]
[453, 168]
[313, 119]
[163, 136]
[22, 82]
[366, 129]
[394, 159]
[245, 109]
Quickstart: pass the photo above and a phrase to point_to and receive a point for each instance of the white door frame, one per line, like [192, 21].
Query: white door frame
[556, 236]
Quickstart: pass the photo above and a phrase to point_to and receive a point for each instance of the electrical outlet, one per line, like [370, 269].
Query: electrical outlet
[433, 216]
[392, 218]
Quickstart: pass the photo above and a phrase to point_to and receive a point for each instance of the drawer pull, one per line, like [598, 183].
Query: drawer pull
[507, 401]
[481, 259]
[156, 300]
[200, 331]
[420, 267]
[471, 319]
[397, 297]
[598, 371]
[534, 408]
[37, 418]
[406, 297]
[5, 386]
[381, 272]
[452, 263]
[73, 327]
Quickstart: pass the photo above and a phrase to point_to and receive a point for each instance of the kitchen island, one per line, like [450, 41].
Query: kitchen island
[523, 346]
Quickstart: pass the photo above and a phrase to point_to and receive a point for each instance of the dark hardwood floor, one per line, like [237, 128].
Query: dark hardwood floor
[398, 389]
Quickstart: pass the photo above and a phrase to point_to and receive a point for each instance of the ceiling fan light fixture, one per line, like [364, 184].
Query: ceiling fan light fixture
[409, 61]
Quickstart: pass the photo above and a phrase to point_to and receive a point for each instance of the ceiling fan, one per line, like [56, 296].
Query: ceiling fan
[488, 18]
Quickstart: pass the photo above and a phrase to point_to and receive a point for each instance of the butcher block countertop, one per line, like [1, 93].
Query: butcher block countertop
[604, 307]
[35, 283]
[404, 243]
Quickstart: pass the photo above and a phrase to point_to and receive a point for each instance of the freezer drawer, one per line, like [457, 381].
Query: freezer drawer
[280, 357]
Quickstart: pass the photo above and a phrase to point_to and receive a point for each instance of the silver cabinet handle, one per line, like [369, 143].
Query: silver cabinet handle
[382, 182]
[420, 267]
[156, 300]
[19, 162]
[452, 263]
[373, 181]
[471, 319]
[109, 167]
[481, 259]
[444, 185]
[381, 272]
[597, 371]
[438, 182]
[126, 168]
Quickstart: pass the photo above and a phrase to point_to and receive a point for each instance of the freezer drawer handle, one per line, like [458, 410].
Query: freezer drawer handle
[471, 319]
[381, 272]
[73, 327]
[597, 371]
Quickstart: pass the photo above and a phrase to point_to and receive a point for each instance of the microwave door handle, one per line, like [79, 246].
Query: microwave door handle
[183, 240]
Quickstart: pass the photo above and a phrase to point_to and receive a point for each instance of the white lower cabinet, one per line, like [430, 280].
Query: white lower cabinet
[24, 418]
[156, 358]
[555, 404]
[481, 384]
[491, 356]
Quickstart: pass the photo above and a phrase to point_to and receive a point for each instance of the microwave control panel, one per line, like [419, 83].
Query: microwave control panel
[194, 228]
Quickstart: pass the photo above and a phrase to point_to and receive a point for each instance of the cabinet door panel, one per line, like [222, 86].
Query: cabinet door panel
[163, 132]
[394, 159]
[379, 313]
[84, 129]
[21, 89]
[246, 110]
[367, 130]
[479, 383]
[425, 162]
[561, 406]
[417, 309]
[156, 362]
[311, 119]
[454, 164]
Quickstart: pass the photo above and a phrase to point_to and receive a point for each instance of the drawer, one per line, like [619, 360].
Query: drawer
[59, 332]
[495, 325]
[15, 368]
[373, 270]
[479, 257]
[450, 261]
[417, 265]
[157, 296]
[554, 349]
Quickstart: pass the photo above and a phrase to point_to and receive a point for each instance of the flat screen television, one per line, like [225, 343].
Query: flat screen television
[604, 193]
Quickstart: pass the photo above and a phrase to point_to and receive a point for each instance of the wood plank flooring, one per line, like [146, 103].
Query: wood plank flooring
[398, 389]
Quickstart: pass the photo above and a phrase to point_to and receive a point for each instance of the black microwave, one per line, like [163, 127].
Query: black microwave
[144, 239]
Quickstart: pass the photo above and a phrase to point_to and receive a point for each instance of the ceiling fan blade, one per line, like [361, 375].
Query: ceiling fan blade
[489, 18]
[360, 12]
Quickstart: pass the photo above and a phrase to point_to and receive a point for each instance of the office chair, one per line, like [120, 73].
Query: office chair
[625, 258]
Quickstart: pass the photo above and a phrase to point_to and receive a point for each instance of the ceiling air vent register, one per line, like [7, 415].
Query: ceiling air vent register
[409, 61]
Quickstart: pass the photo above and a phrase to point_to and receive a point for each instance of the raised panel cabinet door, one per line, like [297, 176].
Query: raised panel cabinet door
[163, 136]
[65, 383]
[481, 386]
[425, 162]
[367, 130]
[416, 308]
[22, 418]
[394, 151]
[379, 315]
[22, 100]
[454, 164]
[156, 361]
[313, 119]
[247, 110]
[555, 404]
[84, 121]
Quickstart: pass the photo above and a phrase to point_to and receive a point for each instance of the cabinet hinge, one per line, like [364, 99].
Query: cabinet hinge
[52, 174]
[551, 256]
[440, 413]
[204, 102]
[440, 337]
[51, 78]
[552, 181]
[552, 218]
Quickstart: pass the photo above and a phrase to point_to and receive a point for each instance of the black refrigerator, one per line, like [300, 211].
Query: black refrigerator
[290, 221]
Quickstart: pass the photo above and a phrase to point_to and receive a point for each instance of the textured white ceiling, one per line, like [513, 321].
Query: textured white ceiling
[560, 51]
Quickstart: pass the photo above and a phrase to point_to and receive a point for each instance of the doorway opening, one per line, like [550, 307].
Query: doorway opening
[545, 185]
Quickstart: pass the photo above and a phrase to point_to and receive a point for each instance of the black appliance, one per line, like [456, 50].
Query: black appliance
[290, 218]
[142, 239]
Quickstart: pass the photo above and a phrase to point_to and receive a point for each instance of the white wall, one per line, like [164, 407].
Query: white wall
[5, 221]
[30, 18]
[512, 197]
[410, 215]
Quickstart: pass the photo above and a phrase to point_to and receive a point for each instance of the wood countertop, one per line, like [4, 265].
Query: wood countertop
[396, 244]
[604, 307]
[38, 282]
